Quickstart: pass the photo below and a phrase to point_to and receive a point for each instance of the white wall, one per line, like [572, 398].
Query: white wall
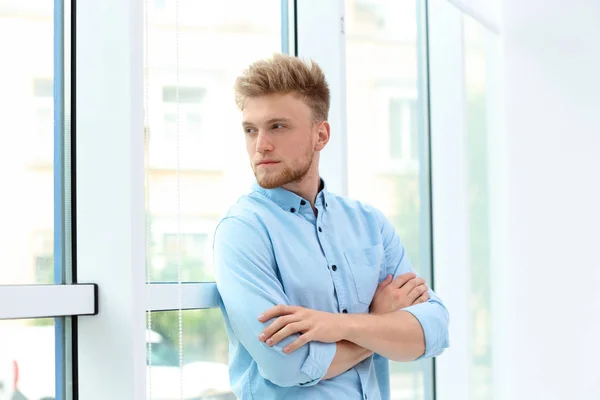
[552, 68]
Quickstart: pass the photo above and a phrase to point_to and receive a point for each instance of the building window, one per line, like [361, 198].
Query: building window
[191, 109]
[398, 125]
[403, 130]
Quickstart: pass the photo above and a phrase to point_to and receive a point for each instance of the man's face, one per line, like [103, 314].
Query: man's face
[280, 138]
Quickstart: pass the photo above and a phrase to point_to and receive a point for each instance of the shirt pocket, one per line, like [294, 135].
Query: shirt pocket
[365, 265]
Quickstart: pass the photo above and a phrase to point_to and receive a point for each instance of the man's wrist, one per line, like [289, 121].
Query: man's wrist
[352, 325]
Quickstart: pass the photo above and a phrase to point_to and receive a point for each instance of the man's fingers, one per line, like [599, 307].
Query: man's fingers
[287, 330]
[423, 298]
[401, 280]
[385, 282]
[418, 292]
[413, 283]
[276, 312]
[301, 341]
[277, 325]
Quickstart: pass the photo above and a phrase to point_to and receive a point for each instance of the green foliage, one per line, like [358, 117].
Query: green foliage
[204, 336]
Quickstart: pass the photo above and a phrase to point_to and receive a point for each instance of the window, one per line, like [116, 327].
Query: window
[399, 130]
[205, 355]
[404, 140]
[190, 109]
[34, 214]
[27, 359]
[26, 140]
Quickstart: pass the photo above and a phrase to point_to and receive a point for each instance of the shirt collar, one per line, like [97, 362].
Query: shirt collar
[290, 201]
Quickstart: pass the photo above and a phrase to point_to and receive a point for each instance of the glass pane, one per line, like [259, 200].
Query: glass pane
[27, 359]
[478, 209]
[27, 142]
[205, 356]
[215, 45]
[383, 126]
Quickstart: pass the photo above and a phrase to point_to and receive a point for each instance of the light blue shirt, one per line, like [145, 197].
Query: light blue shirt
[270, 249]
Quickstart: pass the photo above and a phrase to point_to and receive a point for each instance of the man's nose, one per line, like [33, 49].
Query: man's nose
[263, 144]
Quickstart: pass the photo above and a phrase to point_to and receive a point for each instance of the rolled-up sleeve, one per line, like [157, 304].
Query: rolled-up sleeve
[246, 276]
[432, 315]
[434, 320]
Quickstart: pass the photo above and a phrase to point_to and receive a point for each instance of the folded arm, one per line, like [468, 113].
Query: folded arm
[247, 282]
[400, 335]
[417, 331]
[347, 355]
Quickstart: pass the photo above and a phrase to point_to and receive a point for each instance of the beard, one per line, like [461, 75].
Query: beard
[274, 179]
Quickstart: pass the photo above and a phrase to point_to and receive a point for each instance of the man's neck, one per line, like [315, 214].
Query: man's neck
[307, 188]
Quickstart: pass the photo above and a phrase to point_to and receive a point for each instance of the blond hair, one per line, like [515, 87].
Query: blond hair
[283, 74]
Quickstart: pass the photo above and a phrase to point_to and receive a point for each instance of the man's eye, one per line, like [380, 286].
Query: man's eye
[278, 126]
[249, 131]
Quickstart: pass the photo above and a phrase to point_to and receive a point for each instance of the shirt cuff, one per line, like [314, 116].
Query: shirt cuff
[320, 356]
[434, 324]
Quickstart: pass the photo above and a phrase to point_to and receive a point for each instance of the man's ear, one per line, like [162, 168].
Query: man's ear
[323, 134]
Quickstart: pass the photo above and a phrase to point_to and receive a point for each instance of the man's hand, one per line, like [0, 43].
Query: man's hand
[314, 325]
[404, 291]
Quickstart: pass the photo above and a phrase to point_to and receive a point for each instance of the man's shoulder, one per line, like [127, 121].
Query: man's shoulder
[247, 210]
[248, 204]
[361, 213]
[355, 206]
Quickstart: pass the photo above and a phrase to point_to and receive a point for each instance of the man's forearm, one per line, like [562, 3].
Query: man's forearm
[397, 336]
[347, 355]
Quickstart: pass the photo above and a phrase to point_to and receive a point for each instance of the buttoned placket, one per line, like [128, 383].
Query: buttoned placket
[324, 235]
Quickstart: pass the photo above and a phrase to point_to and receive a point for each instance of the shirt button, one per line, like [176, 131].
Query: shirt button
[320, 229]
[334, 267]
[345, 311]
[302, 203]
[293, 209]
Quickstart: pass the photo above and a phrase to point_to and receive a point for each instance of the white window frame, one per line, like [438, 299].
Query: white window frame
[450, 198]
[449, 193]
[44, 301]
[110, 198]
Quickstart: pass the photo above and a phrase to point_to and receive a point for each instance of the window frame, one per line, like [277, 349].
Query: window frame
[450, 181]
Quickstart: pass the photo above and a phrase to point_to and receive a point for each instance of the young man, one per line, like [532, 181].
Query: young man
[316, 289]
